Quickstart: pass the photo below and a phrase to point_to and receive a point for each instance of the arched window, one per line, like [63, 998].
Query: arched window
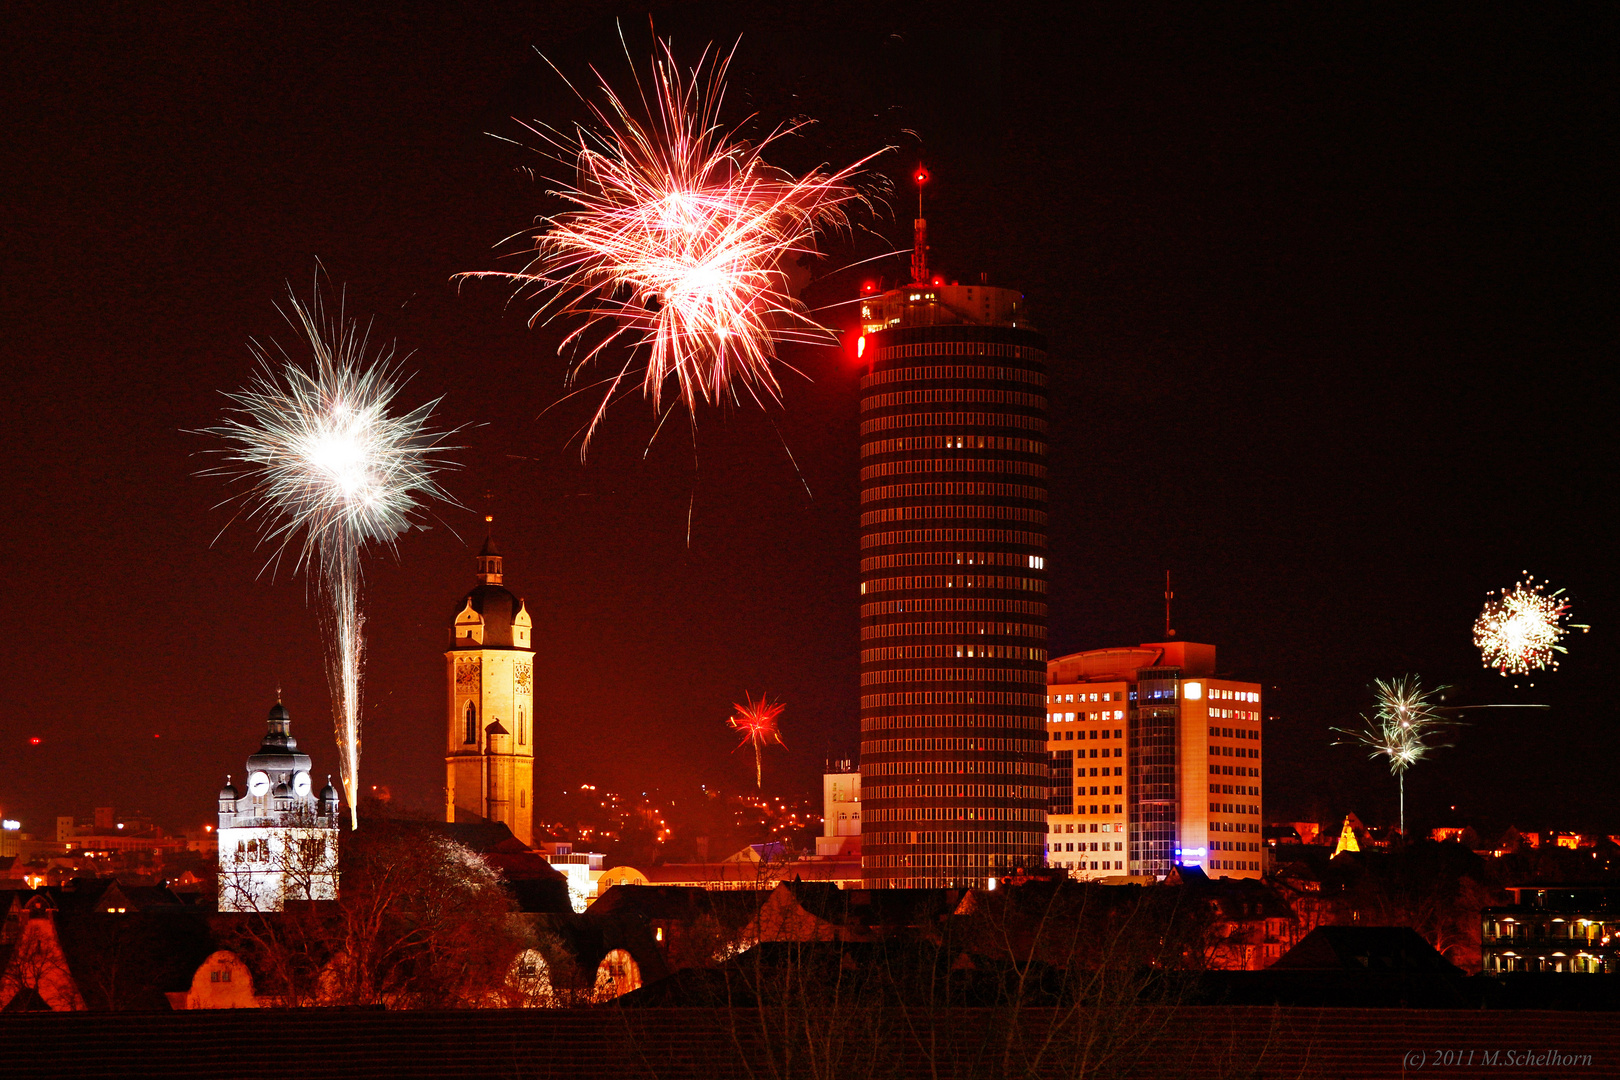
[472, 724]
[523, 800]
[523, 727]
[617, 974]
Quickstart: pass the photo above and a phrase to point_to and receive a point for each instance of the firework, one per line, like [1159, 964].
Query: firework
[757, 721]
[1519, 632]
[676, 241]
[330, 470]
[1404, 727]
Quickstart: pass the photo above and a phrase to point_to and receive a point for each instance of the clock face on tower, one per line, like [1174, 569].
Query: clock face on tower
[301, 784]
[259, 783]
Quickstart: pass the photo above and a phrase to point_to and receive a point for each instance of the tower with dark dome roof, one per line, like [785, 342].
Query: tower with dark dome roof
[278, 839]
[489, 754]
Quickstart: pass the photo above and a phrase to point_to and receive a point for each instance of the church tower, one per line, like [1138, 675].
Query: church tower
[489, 752]
[279, 840]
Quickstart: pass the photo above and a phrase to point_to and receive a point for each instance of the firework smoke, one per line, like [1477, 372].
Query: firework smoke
[676, 240]
[757, 721]
[330, 471]
[1518, 633]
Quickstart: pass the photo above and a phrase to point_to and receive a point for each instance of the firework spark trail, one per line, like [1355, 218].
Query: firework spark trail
[1519, 632]
[757, 721]
[331, 470]
[1406, 724]
[676, 240]
[1402, 729]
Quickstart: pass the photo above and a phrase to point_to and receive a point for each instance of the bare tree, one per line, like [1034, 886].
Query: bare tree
[419, 922]
[296, 861]
[1047, 979]
[37, 966]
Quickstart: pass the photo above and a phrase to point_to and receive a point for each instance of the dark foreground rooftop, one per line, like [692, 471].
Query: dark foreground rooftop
[716, 1043]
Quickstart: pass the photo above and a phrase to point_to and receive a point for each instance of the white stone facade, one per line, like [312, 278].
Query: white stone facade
[279, 840]
[260, 869]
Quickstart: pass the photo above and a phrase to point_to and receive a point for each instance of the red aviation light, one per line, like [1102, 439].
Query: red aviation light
[939, 281]
[868, 287]
[920, 176]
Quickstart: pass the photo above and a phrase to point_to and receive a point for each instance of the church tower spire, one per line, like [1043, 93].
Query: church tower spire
[489, 558]
[489, 751]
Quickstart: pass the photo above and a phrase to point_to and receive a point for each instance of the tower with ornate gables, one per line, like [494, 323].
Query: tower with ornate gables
[278, 840]
[489, 668]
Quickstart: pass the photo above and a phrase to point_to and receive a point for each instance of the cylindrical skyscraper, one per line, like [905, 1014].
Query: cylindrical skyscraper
[953, 587]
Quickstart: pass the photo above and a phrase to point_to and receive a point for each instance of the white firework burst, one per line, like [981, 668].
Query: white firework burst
[1521, 631]
[330, 470]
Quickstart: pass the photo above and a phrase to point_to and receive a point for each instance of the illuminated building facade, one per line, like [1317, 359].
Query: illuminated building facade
[278, 841]
[841, 810]
[1086, 728]
[1155, 761]
[1550, 927]
[953, 585]
[489, 756]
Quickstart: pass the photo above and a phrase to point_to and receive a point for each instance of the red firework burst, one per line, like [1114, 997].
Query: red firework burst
[757, 722]
[675, 239]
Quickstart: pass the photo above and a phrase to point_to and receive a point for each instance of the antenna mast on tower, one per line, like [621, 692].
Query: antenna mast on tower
[919, 241]
[1168, 596]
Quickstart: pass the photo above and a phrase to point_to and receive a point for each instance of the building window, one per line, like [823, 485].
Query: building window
[471, 735]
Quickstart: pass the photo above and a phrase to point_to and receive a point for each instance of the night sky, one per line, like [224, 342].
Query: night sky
[1329, 292]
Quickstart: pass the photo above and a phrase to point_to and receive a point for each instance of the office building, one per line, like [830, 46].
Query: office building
[1155, 761]
[953, 585]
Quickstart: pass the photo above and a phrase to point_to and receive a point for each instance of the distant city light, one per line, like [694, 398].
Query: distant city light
[10, 824]
[35, 741]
